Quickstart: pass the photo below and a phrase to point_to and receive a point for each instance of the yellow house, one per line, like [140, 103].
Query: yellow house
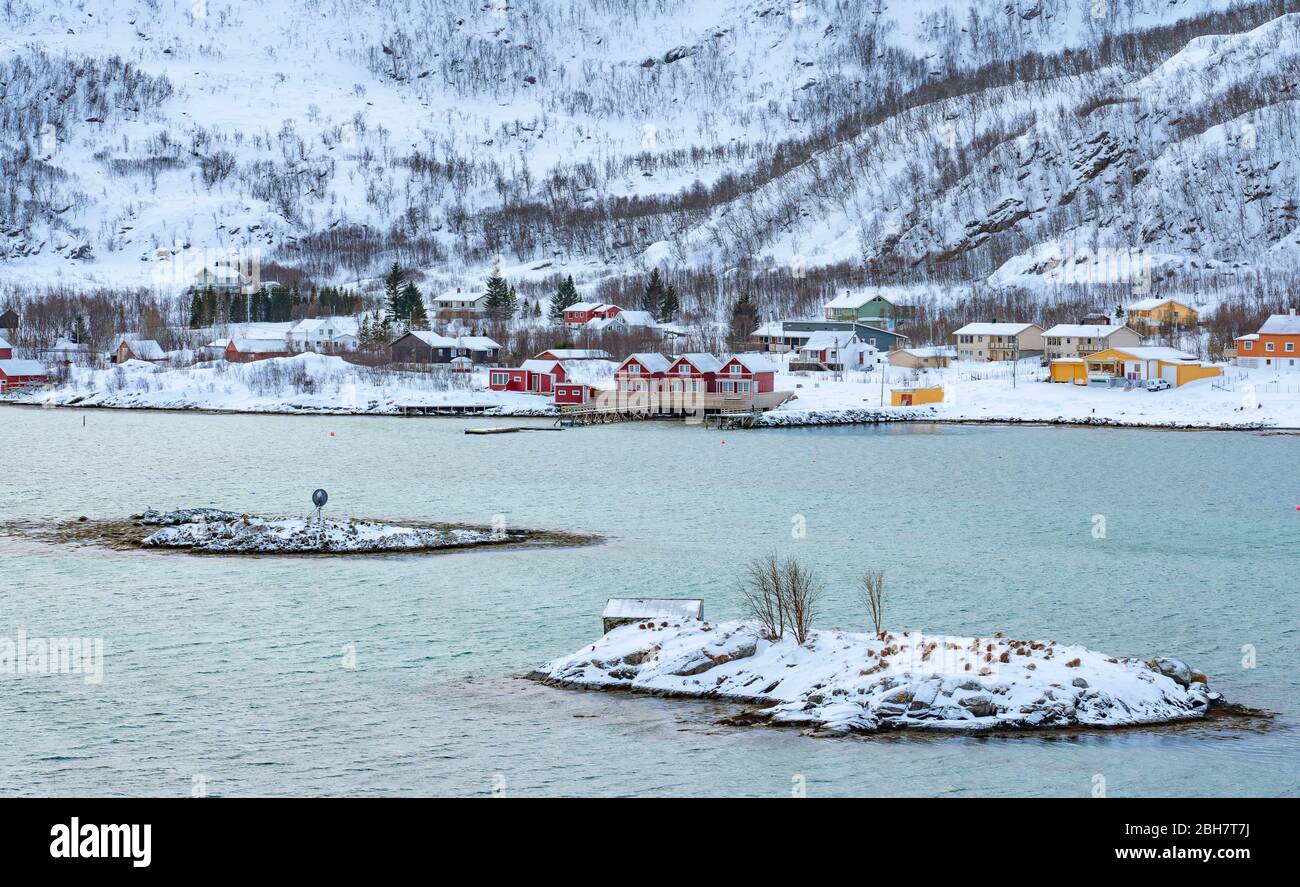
[1133, 364]
[1163, 311]
[914, 397]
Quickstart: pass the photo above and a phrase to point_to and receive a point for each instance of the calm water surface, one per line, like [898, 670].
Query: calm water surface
[232, 670]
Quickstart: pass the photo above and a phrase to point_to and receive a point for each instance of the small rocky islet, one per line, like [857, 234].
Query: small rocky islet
[214, 531]
[846, 682]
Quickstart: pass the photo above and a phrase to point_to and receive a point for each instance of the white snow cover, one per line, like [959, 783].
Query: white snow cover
[215, 532]
[992, 329]
[1281, 324]
[845, 681]
[1083, 330]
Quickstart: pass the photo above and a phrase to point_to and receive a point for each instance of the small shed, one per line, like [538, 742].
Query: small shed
[914, 397]
[461, 365]
[626, 610]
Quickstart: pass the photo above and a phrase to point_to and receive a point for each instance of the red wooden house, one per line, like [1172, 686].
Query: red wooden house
[641, 372]
[249, 350]
[746, 374]
[6, 350]
[579, 313]
[574, 393]
[693, 373]
[533, 377]
[15, 374]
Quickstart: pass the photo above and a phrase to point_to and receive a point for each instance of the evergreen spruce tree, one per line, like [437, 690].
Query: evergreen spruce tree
[239, 308]
[196, 311]
[417, 317]
[393, 300]
[79, 331]
[565, 296]
[412, 299]
[654, 292]
[668, 305]
[363, 332]
[512, 302]
[210, 307]
[498, 296]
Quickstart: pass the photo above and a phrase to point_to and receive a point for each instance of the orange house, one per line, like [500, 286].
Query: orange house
[1275, 346]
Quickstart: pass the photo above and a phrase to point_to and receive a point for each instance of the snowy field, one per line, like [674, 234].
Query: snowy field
[844, 681]
[987, 393]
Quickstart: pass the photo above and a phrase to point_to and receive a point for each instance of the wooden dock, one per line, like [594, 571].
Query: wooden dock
[728, 419]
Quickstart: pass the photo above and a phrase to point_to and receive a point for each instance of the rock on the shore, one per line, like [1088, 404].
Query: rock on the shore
[843, 681]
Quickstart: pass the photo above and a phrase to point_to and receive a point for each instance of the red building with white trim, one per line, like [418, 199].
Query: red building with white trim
[693, 374]
[746, 374]
[533, 377]
[574, 393]
[16, 374]
[580, 313]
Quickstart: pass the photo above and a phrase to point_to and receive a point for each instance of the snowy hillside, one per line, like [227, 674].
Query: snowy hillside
[968, 141]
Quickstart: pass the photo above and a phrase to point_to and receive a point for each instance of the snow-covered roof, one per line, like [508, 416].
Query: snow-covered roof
[850, 300]
[1249, 337]
[1148, 304]
[586, 306]
[250, 346]
[656, 608]
[637, 318]
[771, 328]
[993, 329]
[655, 363]
[828, 339]
[1083, 330]
[145, 349]
[602, 323]
[476, 343]
[432, 339]
[22, 367]
[341, 326]
[4, 344]
[1154, 352]
[755, 363]
[578, 353]
[702, 361]
[462, 361]
[1281, 324]
[932, 351]
[539, 366]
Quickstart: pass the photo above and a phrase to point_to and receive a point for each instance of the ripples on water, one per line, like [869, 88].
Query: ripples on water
[232, 668]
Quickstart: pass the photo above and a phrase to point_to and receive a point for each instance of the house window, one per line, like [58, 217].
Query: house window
[742, 387]
[499, 378]
[1290, 347]
[1268, 346]
[736, 369]
[1249, 346]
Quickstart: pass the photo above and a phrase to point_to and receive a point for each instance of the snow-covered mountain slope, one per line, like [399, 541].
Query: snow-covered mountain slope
[983, 137]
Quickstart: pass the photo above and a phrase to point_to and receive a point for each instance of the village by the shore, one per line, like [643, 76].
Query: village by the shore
[851, 363]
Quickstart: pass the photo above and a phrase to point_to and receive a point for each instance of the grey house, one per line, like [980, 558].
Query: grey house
[422, 346]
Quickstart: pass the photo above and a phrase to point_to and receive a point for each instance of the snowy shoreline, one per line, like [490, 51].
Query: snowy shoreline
[846, 682]
[768, 421]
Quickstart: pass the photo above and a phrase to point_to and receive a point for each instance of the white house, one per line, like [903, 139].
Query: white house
[998, 341]
[837, 350]
[1079, 340]
[324, 334]
[461, 301]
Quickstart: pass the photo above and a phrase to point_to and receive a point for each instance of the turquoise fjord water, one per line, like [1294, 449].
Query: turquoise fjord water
[231, 670]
